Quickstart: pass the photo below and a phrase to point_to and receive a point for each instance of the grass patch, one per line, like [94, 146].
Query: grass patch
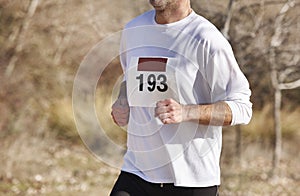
[61, 121]
[261, 126]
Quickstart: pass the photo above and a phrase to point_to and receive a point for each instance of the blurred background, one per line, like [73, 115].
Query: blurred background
[42, 45]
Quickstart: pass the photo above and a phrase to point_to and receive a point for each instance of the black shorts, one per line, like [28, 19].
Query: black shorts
[132, 185]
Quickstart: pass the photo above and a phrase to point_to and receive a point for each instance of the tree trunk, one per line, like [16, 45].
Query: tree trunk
[277, 128]
[238, 143]
[276, 112]
[276, 41]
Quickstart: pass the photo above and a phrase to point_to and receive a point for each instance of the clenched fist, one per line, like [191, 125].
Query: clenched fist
[170, 111]
[120, 111]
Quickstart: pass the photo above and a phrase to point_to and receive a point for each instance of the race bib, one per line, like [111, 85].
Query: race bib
[151, 79]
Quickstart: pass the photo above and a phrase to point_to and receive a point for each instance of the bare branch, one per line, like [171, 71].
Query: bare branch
[277, 38]
[290, 85]
[243, 7]
[63, 45]
[226, 27]
[92, 21]
[285, 73]
[21, 37]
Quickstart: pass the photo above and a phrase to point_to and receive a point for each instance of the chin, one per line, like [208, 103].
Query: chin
[156, 4]
[159, 8]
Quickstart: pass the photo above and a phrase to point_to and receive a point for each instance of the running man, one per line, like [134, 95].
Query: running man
[182, 84]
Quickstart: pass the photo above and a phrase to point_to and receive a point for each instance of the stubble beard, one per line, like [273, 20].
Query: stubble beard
[160, 5]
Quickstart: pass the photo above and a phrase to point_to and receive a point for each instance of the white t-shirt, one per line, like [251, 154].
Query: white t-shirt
[191, 62]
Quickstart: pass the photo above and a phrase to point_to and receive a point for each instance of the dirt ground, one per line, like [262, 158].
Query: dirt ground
[33, 166]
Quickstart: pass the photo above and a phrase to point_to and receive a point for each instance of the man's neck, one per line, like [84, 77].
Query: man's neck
[172, 14]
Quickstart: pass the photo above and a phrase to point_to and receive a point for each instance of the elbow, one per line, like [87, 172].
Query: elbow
[241, 113]
[247, 116]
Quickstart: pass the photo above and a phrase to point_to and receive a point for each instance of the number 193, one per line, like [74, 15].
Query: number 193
[153, 82]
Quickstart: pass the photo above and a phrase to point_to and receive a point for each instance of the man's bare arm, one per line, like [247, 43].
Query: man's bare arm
[211, 114]
[123, 92]
[120, 109]
[217, 114]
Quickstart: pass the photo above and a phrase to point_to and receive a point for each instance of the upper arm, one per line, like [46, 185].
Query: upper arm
[229, 84]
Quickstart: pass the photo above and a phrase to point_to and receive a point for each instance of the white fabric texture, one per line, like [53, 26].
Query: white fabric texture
[186, 154]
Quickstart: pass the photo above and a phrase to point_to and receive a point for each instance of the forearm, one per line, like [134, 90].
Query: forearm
[123, 91]
[217, 114]
[120, 109]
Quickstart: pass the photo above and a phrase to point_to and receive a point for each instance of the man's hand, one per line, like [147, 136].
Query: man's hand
[169, 111]
[120, 111]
